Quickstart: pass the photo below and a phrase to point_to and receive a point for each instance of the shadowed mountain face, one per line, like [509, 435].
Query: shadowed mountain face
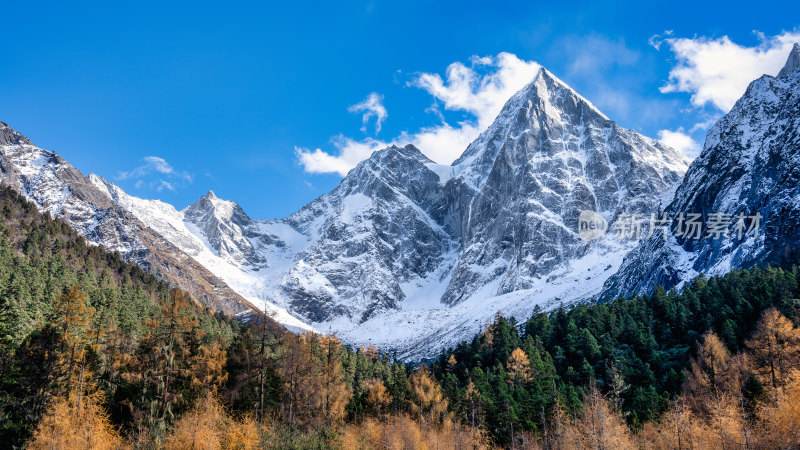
[523, 183]
[750, 165]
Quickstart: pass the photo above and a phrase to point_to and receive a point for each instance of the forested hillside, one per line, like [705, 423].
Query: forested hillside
[95, 353]
[72, 313]
[642, 353]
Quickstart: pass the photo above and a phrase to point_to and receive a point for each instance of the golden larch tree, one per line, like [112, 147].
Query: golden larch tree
[208, 426]
[378, 397]
[519, 367]
[780, 420]
[600, 427]
[775, 346]
[331, 393]
[429, 403]
[77, 420]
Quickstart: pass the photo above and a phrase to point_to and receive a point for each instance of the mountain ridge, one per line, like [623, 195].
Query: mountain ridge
[56, 187]
[412, 255]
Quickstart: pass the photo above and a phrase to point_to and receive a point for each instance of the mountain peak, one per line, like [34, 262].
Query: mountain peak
[793, 62]
[10, 136]
[391, 156]
[546, 98]
[409, 151]
[553, 84]
[209, 205]
[209, 200]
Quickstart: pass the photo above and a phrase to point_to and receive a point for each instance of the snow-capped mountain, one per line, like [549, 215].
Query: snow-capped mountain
[411, 255]
[406, 254]
[59, 189]
[749, 166]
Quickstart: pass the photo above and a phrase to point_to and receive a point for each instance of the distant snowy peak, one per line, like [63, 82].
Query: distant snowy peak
[402, 170]
[210, 206]
[792, 63]
[545, 96]
[367, 237]
[226, 227]
[192, 240]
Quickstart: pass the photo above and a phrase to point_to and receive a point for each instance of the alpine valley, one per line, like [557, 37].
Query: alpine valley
[413, 256]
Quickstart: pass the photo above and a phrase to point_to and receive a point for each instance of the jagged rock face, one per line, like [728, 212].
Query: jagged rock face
[59, 189]
[371, 234]
[232, 234]
[9, 136]
[548, 156]
[793, 63]
[750, 164]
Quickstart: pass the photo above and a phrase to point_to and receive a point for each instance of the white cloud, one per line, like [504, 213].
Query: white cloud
[656, 40]
[372, 106]
[350, 153]
[681, 141]
[151, 164]
[482, 95]
[479, 89]
[161, 185]
[158, 168]
[717, 71]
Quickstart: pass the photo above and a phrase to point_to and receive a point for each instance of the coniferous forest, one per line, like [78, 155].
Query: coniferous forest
[96, 353]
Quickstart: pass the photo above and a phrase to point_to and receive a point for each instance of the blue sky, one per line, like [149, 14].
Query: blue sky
[169, 101]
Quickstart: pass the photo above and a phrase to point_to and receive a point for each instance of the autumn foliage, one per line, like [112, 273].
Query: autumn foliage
[76, 421]
[745, 400]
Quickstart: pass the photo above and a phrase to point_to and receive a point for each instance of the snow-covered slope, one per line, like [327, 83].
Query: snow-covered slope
[549, 155]
[750, 164]
[209, 231]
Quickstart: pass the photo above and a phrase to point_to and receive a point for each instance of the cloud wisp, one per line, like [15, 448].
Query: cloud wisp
[680, 141]
[156, 174]
[479, 89]
[372, 106]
